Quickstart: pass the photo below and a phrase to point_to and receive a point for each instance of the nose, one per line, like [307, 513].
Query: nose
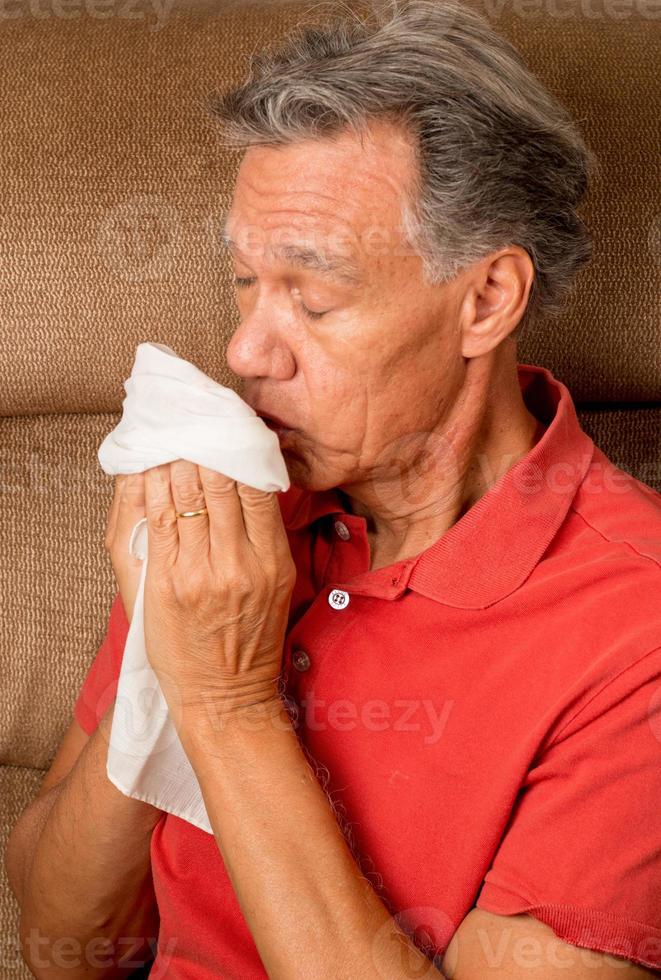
[256, 351]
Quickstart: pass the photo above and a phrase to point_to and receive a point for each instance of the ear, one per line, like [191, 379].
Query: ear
[495, 299]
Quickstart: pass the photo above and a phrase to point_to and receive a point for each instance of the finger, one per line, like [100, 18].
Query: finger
[131, 512]
[262, 518]
[111, 522]
[162, 533]
[128, 506]
[188, 494]
[227, 532]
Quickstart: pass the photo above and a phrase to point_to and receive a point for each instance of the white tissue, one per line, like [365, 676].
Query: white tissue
[172, 411]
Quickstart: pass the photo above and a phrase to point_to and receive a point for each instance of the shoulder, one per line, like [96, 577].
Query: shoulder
[620, 511]
[600, 579]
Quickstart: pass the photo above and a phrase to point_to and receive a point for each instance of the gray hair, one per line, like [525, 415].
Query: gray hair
[499, 159]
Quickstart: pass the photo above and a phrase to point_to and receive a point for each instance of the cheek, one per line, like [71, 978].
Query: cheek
[339, 407]
[330, 374]
[349, 378]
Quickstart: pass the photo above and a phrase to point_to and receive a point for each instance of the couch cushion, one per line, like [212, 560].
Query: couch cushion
[56, 579]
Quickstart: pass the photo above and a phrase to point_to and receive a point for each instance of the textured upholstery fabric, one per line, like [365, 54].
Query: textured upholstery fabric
[114, 191]
[630, 437]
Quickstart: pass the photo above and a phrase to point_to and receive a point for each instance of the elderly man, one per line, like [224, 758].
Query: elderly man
[420, 689]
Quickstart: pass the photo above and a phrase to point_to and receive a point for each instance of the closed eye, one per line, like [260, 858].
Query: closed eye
[244, 282]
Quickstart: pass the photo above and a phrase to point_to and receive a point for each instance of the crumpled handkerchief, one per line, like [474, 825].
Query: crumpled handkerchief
[172, 411]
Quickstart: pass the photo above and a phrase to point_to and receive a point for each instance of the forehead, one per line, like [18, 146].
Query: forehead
[335, 199]
[333, 264]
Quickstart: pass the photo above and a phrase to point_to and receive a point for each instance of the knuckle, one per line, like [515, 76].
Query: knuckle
[236, 581]
[193, 586]
[243, 584]
[188, 493]
[285, 583]
[164, 590]
[258, 501]
[218, 486]
[283, 568]
[162, 520]
[133, 488]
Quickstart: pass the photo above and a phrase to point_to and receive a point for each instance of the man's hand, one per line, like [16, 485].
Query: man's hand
[126, 509]
[217, 592]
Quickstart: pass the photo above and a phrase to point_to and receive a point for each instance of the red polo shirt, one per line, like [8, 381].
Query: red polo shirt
[486, 715]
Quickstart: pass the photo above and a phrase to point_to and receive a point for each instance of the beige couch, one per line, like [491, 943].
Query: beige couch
[115, 191]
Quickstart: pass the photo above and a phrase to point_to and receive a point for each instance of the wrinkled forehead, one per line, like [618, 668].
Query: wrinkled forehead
[339, 199]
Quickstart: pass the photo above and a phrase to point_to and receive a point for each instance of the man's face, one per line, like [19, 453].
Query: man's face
[360, 385]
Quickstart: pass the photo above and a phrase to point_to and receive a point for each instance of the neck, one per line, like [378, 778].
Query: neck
[441, 473]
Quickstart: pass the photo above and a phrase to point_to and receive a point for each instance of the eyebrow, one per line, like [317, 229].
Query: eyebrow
[329, 264]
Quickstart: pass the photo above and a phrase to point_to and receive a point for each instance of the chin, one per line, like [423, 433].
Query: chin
[302, 475]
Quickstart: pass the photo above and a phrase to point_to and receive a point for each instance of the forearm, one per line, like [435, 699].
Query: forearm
[310, 910]
[87, 873]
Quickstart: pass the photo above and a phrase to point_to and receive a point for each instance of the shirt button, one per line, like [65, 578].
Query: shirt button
[342, 530]
[338, 599]
[300, 660]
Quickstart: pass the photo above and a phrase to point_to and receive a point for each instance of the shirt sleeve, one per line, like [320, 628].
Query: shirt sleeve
[582, 849]
[99, 688]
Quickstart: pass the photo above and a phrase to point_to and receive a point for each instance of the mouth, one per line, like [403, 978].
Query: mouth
[274, 424]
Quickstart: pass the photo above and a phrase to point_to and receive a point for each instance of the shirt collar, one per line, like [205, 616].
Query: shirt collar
[310, 506]
[492, 549]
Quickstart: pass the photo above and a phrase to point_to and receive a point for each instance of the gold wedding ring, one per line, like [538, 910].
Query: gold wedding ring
[191, 513]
